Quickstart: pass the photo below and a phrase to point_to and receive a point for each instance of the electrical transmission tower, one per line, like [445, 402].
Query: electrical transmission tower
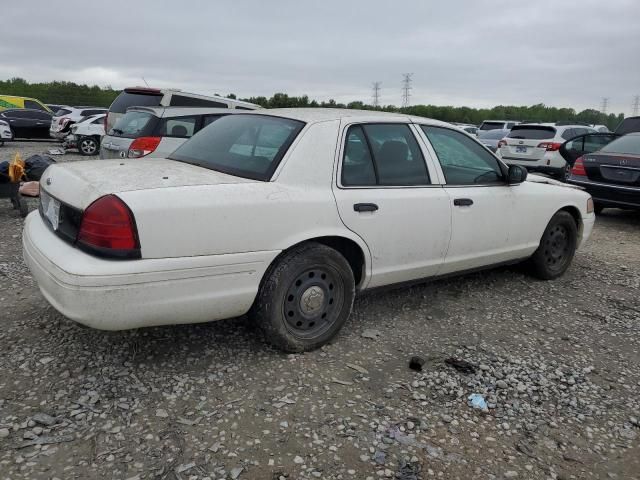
[406, 88]
[604, 105]
[635, 107]
[376, 93]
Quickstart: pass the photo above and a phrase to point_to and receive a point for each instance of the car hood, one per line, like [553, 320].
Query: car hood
[80, 183]
[532, 177]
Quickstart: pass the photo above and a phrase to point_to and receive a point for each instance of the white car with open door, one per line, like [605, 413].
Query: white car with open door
[285, 215]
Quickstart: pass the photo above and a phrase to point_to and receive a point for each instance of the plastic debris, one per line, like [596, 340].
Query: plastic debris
[477, 401]
[416, 363]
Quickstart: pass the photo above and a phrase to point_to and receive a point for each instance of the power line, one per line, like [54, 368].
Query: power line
[636, 105]
[406, 88]
[604, 105]
[376, 93]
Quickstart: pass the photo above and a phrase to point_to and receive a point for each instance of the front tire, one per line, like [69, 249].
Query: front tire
[557, 247]
[305, 298]
[88, 146]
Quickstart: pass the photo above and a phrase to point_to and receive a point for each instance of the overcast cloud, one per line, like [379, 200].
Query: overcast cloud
[462, 52]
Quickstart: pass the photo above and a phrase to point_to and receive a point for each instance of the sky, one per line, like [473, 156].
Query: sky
[476, 53]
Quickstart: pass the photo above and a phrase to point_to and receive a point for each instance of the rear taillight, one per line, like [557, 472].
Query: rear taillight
[502, 143]
[108, 228]
[578, 168]
[550, 146]
[143, 146]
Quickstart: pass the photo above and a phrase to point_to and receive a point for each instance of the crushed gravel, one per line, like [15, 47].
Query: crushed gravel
[555, 363]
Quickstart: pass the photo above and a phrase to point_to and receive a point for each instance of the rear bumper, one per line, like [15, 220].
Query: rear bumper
[57, 134]
[608, 195]
[120, 295]
[551, 163]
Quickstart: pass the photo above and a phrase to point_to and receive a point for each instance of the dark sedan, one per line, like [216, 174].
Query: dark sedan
[27, 123]
[612, 174]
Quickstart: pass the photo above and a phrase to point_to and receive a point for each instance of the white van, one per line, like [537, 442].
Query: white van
[155, 97]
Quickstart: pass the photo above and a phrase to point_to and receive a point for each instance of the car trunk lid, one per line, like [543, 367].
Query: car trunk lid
[616, 168]
[78, 184]
[115, 147]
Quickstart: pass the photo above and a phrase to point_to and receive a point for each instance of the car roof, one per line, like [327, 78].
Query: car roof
[314, 115]
[183, 111]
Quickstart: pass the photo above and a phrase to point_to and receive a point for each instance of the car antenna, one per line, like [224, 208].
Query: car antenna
[145, 82]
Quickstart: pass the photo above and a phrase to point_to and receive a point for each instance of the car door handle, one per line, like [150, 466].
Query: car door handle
[463, 202]
[365, 207]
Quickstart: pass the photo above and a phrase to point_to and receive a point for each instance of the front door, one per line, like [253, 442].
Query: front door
[385, 194]
[481, 200]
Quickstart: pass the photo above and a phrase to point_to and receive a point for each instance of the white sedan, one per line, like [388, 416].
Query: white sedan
[285, 215]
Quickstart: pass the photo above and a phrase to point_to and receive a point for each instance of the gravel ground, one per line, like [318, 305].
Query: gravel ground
[557, 363]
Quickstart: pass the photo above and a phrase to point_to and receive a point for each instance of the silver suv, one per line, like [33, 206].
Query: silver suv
[142, 131]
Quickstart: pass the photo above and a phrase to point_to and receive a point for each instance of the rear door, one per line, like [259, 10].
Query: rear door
[527, 142]
[589, 143]
[390, 195]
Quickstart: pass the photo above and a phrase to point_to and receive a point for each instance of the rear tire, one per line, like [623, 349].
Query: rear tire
[305, 298]
[557, 247]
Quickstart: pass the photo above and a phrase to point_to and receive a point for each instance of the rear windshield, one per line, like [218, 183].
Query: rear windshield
[628, 125]
[493, 134]
[128, 99]
[491, 125]
[133, 125]
[626, 144]
[249, 146]
[532, 133]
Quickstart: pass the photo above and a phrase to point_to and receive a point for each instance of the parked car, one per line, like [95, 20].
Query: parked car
[159, 131]
[63, 120]
[285, 214]
[27, 123]
[470, 129]
[490, 138]
[154, 97]
[611, 174]
[498, 124]
[628, 125]
[86, 135]
[5, 132]
[54, 108]
[12, 102]
[601, 128]
[535, 146]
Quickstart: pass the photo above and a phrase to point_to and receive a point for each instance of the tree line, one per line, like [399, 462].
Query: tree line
[70, 93]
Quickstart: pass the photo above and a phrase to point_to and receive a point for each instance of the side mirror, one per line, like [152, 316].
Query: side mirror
[517, 174]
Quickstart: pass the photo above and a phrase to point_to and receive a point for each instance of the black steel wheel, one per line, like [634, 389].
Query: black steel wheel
[557, 247]
[305, 298]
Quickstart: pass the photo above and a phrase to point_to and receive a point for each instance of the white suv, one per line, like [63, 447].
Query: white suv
[535, 146]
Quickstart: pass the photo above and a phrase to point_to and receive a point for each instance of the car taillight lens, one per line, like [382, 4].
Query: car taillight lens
[143, 146]
[502, 143]
[578, 168]
[550, 146]
[108, 228]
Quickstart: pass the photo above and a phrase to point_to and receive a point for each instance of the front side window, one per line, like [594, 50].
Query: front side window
[249, 146]
[383, 154]
[34, 105]
[463, 160]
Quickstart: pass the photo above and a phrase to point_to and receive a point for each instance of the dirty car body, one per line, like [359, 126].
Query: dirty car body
[294, 208]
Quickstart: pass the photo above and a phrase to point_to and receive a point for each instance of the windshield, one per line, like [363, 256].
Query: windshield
[249, 146]
[532, 133]
[132, 124]
[627, 144]
[127, 99]
[492, 125]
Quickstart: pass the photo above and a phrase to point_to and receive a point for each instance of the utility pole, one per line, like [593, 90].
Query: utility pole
[635, 108]
[376, 93]
[604, 105]
[406, 88]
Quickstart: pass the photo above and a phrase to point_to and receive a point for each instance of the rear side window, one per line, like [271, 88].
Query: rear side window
[88, 113]
[491, 125]
[133, 125]
[34, 105]
[127, 99]
[532, 132]
[99, 120]
[183, 101]
[182, 127]
[62, 112]
[357, 164]
[627, 144]
[249, 146]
